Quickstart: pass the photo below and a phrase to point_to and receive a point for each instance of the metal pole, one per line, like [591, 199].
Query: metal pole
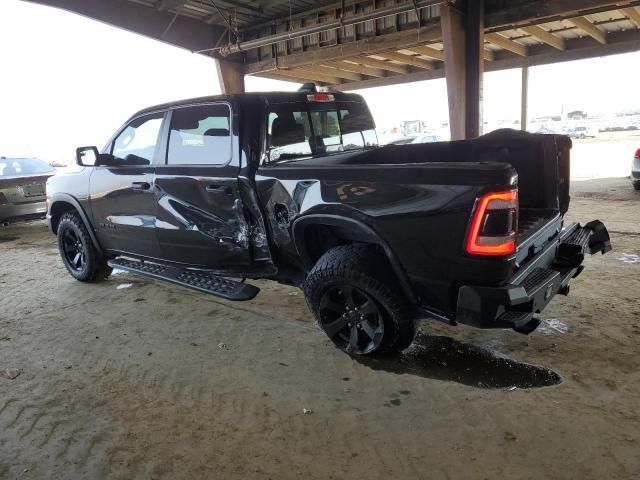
[524, 105]
[323, 27]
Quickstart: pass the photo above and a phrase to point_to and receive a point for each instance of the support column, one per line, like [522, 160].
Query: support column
[230, 76]
[524, 103]
[463, 38]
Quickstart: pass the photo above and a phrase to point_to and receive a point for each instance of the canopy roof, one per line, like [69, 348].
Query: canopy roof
[364, 43]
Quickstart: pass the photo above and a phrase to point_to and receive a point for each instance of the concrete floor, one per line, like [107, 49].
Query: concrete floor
[134, 378]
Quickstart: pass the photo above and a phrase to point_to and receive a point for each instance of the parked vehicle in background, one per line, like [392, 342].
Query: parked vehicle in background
[402, 140]
[22, 188]
[293, 187]
[546, 131]
[612, 129]
[413, 127]
[426, 139]
[635, 170]
[581, 132]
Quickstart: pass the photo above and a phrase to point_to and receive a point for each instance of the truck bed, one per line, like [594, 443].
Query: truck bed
[532, 220]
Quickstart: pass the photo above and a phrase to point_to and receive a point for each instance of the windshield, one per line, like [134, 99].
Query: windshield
[10, 167]
[296, 130]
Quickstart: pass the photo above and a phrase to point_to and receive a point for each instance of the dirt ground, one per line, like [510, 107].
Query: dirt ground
[134, 378]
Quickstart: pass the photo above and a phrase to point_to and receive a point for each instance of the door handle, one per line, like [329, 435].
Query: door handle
[219, 189]
[141, 186]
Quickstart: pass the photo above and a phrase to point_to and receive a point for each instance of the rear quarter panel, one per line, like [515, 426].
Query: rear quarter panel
[420, 211]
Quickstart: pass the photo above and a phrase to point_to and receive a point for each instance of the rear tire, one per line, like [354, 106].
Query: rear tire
[81, 258]
[636, 185]
[351, 292]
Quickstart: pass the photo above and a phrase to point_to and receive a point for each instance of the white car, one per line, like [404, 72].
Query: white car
[429, 138]
[581, 132]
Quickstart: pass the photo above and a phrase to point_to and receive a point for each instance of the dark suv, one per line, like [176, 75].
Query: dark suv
[293, 187]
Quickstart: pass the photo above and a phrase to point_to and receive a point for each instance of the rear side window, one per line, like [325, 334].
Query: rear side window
[297, 130]
[136, 144]
[200, 136]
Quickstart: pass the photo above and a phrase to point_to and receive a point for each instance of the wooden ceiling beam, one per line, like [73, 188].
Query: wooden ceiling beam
[489, 56]
[632, 14]
[382, 64]
[407, 59]
[355, 68]
[274, 76]
[439, 54]
[590, 29]
[538, 11]
[506, 43]
[325, 69]
[544, 36]
[427, 52]
[577, 49]
[309, 76]
[353, 51]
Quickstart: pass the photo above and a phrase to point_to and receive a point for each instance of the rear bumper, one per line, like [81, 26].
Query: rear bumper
[23, 211]
[532, 288]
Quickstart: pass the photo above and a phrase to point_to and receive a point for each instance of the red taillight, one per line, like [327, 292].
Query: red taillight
[488, 236]
[637, 155]
[320, 97]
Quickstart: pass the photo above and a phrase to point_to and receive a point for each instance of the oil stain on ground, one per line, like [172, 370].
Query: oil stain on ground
[443, 358]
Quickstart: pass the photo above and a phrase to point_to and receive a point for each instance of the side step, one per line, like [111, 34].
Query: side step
[201, 281]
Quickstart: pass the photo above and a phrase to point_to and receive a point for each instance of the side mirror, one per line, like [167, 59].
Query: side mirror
[86, 156]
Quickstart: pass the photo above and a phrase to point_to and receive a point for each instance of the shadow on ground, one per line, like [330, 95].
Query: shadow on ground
[443, 358]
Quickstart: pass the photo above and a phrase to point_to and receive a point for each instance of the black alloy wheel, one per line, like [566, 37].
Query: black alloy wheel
[74, 250]
[352, 292]
[79, 254]
[351, 319]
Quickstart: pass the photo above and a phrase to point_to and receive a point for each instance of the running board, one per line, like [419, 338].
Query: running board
[196, 280]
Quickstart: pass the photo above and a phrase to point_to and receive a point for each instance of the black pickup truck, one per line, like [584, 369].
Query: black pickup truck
[293, 187]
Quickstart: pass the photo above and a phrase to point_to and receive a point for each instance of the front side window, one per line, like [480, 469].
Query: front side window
[136, 144]
[298, 130]
[200, 136]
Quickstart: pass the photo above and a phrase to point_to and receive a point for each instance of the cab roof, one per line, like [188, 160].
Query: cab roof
[248, 99]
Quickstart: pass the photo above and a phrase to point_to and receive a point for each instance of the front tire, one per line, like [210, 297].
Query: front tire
[351, 293]
[79, 255]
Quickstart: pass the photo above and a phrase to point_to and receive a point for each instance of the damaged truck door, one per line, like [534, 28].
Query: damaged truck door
[200, 213]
